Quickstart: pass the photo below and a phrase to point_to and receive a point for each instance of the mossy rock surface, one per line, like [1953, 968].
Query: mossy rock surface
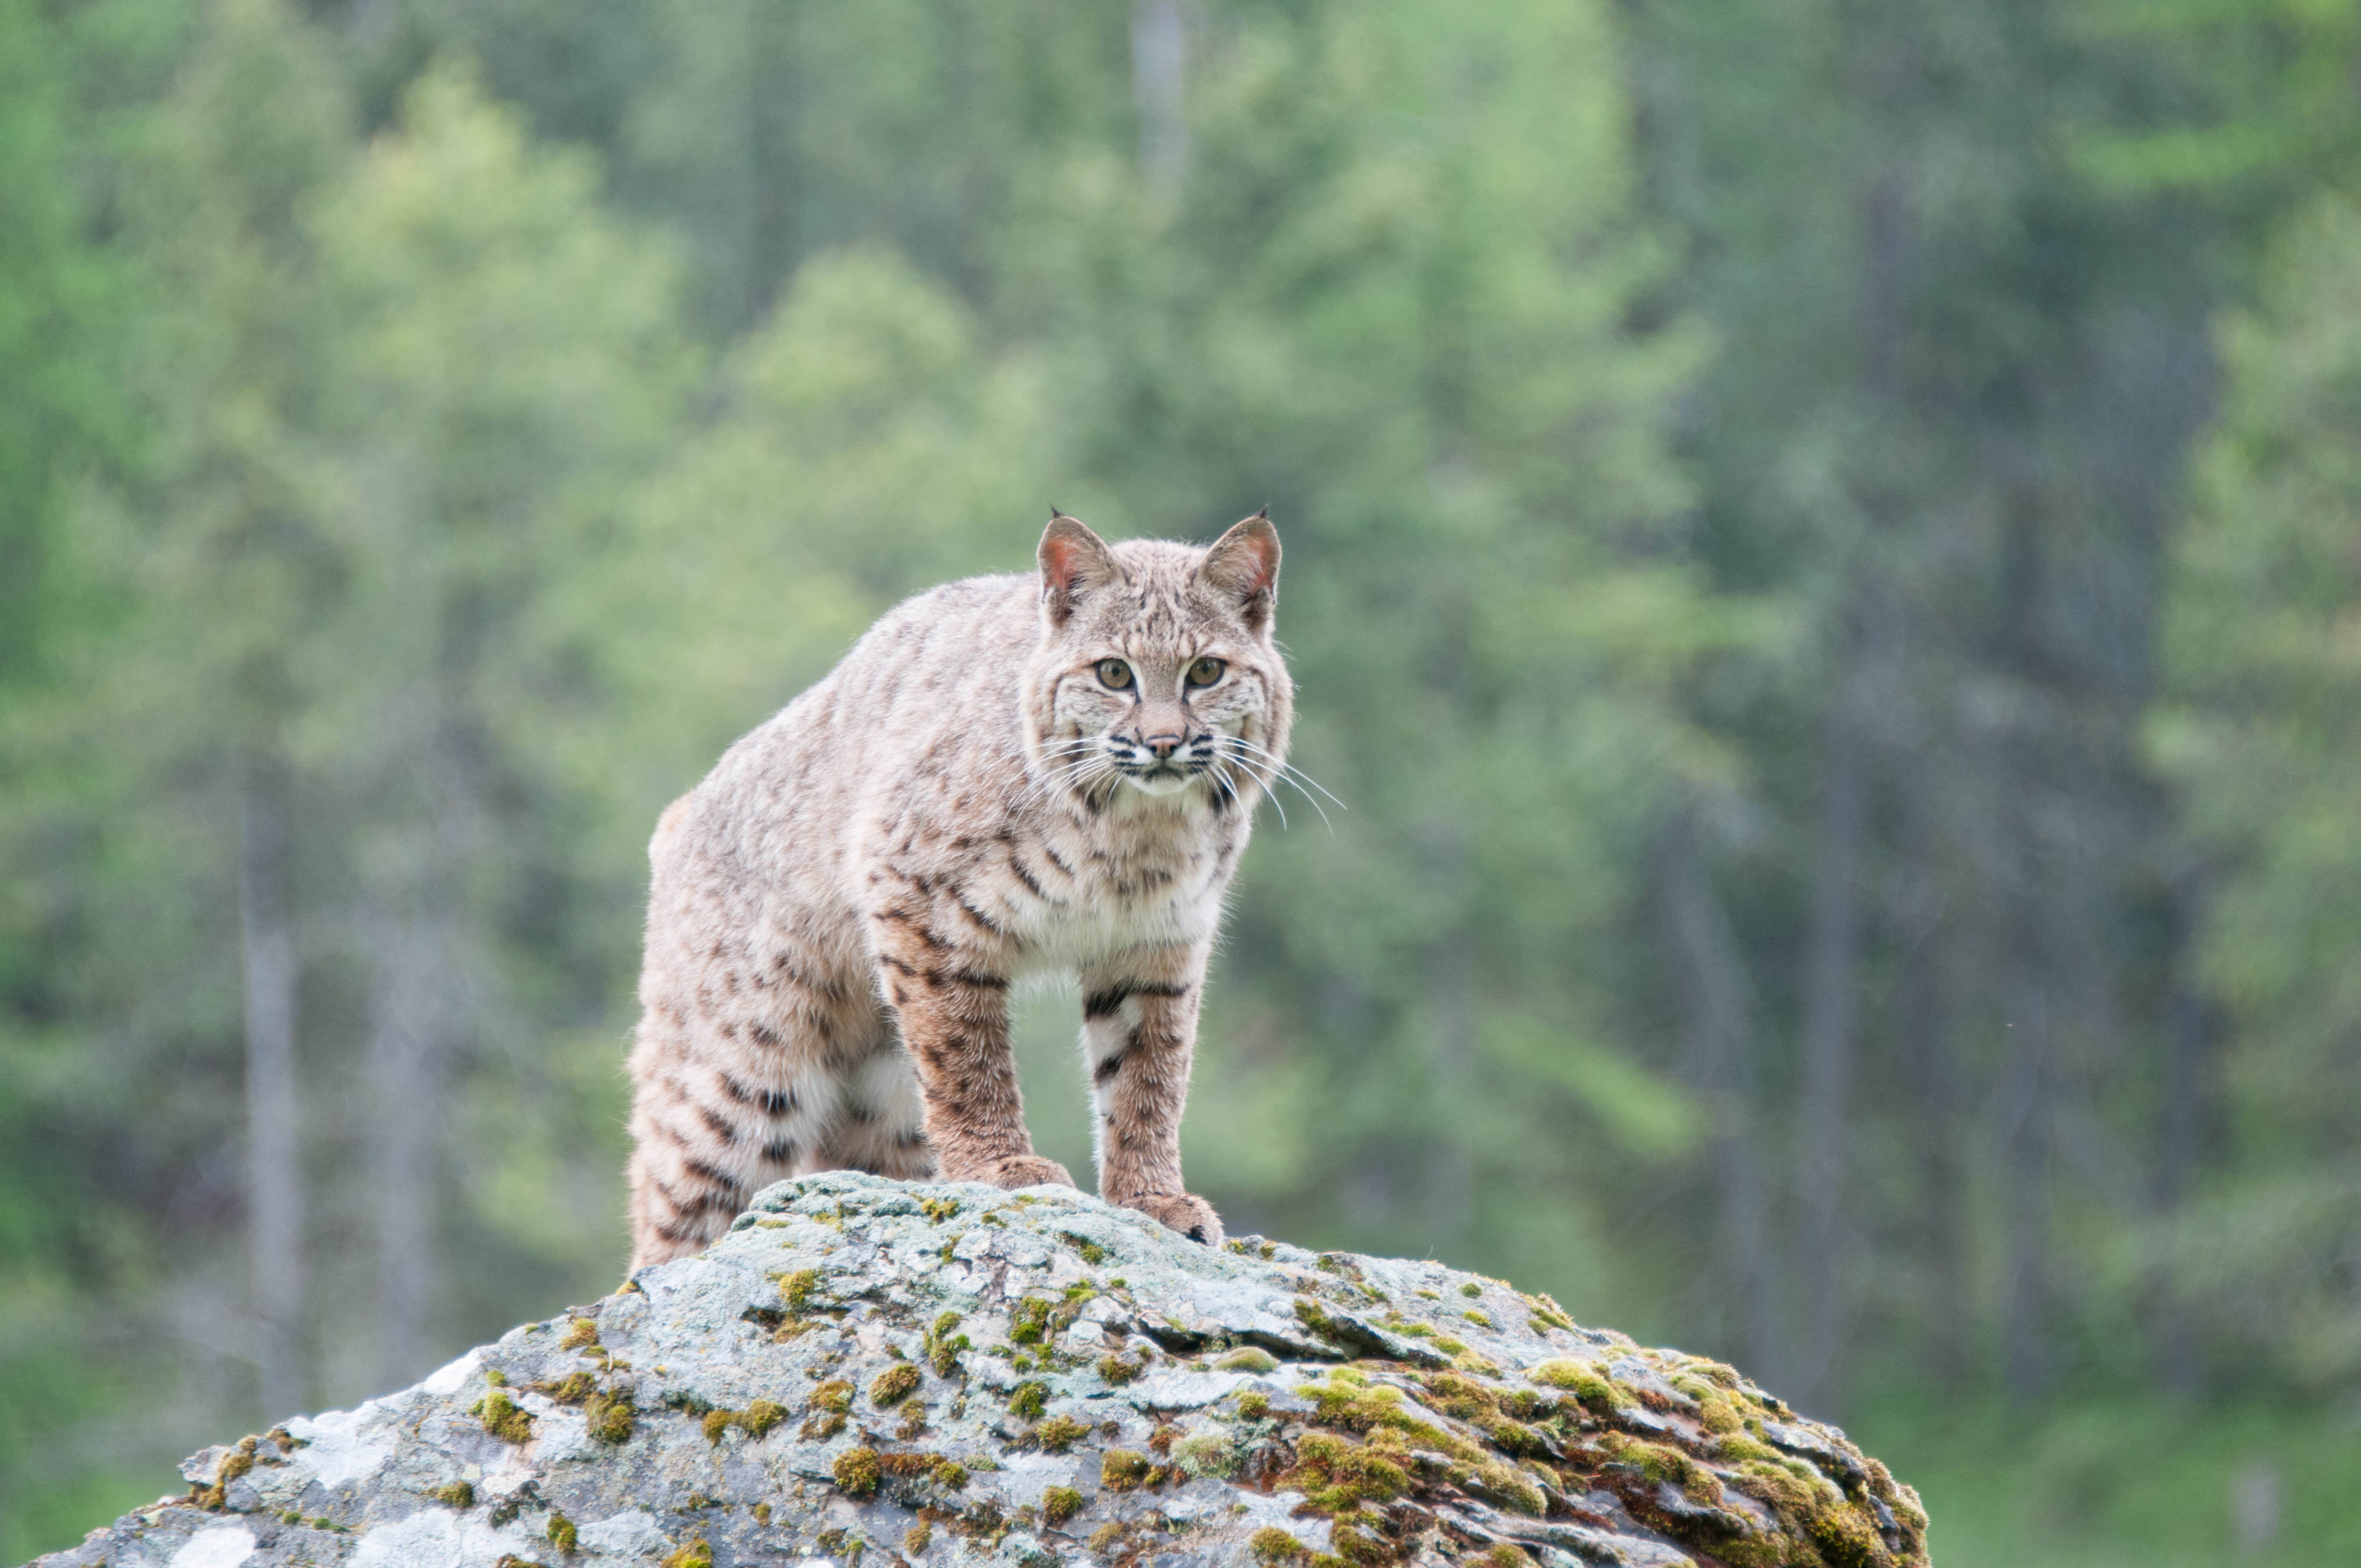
[834, 1380]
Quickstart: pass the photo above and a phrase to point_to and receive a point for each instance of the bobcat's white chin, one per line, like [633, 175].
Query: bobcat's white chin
[1160, 783]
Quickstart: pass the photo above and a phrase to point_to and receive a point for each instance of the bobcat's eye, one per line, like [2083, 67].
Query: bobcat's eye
[1114, 674]
[1205, 672]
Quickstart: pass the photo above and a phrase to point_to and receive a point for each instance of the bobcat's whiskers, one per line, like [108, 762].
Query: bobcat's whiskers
[1248, 755]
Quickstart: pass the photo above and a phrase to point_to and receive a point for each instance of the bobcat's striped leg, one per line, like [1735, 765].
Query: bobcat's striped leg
[668, 1223]
[953, 1012]
[731, 1086]
[1139, 1030]
[707, 1137]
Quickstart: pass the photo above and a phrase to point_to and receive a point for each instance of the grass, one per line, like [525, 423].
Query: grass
[2132, 1483]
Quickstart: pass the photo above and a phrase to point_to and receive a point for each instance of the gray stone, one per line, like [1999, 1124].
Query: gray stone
[1046, 1368]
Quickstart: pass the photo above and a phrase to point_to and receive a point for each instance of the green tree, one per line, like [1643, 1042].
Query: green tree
[327, 742]
[157, 702]
[2262, 735]
[1392, 295]
[2250, 102]
[865, 441]
[510, 361]
[63, 405]
[1954, 380]
[1729, 460]
[770, 134]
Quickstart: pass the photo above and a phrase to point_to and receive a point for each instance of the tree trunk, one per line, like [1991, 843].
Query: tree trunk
[1718, 1023]
[2024, 1160]
[274, 1181]
[2025, 1085]
[1934, 1118]
[408, 1066]
[1814, 1364]
[1450, 974]
[1160, 86]
[2181, 1127]
[769, 167]
[1828, 980]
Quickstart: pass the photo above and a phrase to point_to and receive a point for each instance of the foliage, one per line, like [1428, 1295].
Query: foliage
[2263, 735]
[1836, 856]
[1467, 441]
[2112, 1481]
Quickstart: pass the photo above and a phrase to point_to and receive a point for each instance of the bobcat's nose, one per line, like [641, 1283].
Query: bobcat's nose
[1163, 745]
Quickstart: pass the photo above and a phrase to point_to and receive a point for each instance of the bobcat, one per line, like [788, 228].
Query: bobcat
[1006, 775]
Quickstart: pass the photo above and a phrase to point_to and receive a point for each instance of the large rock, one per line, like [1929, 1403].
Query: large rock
[863, 1370]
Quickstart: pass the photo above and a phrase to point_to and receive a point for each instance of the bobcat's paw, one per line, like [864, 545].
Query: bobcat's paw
[1183, 1211]
[1029, 1170]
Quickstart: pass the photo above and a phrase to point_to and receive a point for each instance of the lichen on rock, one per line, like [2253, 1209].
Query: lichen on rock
[871, 1371]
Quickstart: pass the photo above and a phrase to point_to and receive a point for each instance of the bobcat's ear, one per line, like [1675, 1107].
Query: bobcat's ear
[1075, 561]
[1244, 564]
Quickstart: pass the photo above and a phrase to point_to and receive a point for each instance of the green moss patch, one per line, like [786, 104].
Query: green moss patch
[1208, 1451]
[1031, 1324]
[1585, 1382]
[503, 1418]
[1337, 1474]
[894, 1384]
[827, 1406]
[610, 1415]
[796, 1289]
[942, 1346]
[1272, 1546]
[755, 1420]
[1122, 1470]
[857, 1473]
[1660, 1462]
[1505, 1484]
[1058, 1433]
[610, 1411]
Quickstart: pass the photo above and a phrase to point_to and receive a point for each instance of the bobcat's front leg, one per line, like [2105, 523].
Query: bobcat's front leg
[953, 1015]
[1140, 1029]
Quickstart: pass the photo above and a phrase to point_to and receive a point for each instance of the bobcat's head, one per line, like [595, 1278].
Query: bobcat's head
[1155, 677]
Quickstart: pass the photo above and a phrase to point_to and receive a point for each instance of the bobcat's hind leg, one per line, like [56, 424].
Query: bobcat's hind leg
[879, 1125]
[732, 1087]
[706, 1138]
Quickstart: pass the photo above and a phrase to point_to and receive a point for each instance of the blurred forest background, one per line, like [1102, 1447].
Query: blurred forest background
[1824, 555]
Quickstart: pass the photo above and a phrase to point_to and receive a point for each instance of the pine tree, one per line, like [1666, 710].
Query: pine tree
[2261, 732]
[510, 361]
[164, 733]
[1391, 296]
[1953, 381]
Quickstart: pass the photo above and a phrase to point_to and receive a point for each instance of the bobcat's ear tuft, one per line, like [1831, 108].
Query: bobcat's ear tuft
[1075, 561]
[1244, 564]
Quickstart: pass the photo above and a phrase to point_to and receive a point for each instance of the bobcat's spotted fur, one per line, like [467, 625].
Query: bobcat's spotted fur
[1050, 772]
